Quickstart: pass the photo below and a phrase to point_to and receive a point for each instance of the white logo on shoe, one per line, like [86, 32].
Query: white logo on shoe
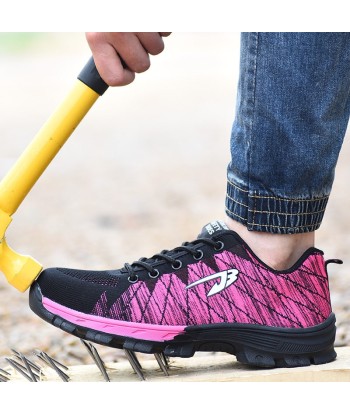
[227, 278]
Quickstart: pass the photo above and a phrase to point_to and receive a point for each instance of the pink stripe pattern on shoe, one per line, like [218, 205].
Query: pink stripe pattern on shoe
[296, 299]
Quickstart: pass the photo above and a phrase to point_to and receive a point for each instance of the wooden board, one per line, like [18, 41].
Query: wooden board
[218, 367]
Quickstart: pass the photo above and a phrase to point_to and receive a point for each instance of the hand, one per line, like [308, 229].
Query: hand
[119, 55]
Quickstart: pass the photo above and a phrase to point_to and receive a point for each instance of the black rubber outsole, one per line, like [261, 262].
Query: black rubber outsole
[254, 345]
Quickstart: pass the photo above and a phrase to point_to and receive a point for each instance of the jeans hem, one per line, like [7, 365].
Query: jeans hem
[263, 212]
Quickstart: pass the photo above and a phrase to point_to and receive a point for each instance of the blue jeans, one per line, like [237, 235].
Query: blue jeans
[292, 110]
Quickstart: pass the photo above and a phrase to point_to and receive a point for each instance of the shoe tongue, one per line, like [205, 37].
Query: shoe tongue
[213, 228]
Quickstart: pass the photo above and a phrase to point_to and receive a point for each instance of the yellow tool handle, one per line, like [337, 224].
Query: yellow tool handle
[21, 270]
[55, 132]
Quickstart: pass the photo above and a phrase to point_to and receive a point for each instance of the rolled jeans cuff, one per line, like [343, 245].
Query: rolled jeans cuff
[274, 214]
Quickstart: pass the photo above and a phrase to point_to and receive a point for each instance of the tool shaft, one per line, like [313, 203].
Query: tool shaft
[37, 156]
[21, 270]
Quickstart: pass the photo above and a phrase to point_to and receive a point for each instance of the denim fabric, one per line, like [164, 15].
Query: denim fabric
[292, 111]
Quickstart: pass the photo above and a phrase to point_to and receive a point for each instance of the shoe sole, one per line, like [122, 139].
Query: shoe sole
[254, 345]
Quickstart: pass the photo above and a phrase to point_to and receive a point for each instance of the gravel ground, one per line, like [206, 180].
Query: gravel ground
[144, 171]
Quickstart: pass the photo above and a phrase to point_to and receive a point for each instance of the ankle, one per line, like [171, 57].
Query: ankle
[278, 251]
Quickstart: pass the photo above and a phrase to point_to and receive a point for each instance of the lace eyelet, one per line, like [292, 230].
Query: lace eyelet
[177, 264]
[220, 245]
[198, 255]
[154, 275]
[133, 280]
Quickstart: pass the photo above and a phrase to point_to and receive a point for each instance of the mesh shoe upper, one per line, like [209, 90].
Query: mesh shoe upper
[214, 279]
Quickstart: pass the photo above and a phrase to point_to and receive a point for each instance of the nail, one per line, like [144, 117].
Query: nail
[135, 364]
[161, 363]
[96, 358]
[19, 368]
[53, 364]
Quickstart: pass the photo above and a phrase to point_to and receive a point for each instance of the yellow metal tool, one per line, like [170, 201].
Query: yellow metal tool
[22, 270]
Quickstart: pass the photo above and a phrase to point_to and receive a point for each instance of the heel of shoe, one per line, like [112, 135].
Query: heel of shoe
[262, 359]
[261, 346]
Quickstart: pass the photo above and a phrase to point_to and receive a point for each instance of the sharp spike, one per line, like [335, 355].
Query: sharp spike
[97, 359]
[57, 363]
[19, 368]
[135, 359]
[134, 363]
[4, 372]
[53, 364]
[165, 359]
[161, 363]
[4, 375]
[26, 362]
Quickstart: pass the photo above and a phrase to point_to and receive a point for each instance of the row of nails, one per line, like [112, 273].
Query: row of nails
[131, 356]
[34, 373]
[30, 370]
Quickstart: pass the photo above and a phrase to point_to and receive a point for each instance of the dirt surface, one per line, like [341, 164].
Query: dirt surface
[144, 171]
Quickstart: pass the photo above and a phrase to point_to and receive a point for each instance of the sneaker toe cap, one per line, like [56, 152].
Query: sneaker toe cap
[63, 287]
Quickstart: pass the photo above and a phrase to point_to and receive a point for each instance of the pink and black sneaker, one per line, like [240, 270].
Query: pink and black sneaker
[212, 294]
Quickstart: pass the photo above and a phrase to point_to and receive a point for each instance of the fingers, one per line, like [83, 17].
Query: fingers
[107, 61]
[119, 55]
[152, 42]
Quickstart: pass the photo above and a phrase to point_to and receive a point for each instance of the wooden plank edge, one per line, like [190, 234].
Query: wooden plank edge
[206, 367]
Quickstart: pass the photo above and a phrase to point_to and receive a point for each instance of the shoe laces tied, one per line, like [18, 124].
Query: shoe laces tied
[171, 257]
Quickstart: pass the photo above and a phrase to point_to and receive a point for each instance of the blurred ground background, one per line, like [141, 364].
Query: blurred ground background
[143, 172]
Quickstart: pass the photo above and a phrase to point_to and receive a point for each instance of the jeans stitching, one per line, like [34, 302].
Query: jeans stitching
[249, 152]
[253, 211]
[285, 213]
[290, 200]
[278, 198]
[300, 201]
[235, 214]
[237, 187]
[284, 227]
[301, 204]
[236, 201]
